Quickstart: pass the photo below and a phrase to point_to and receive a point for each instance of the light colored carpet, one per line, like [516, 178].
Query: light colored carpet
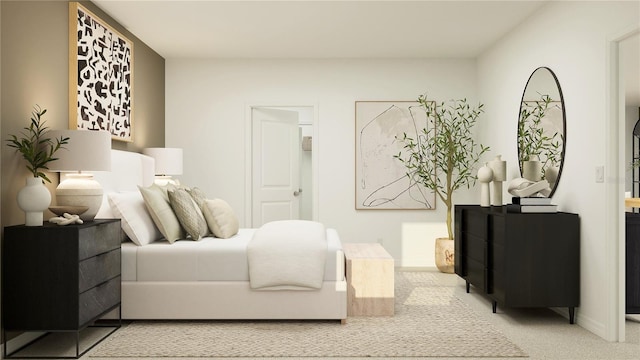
[430, 321]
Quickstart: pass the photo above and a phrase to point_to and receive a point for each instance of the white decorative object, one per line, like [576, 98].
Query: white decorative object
[485, 174]
[499, 168]
[168, 162]
[87, 151]
[66, 219]
[522, 187]
[34, 199]
[532, 170]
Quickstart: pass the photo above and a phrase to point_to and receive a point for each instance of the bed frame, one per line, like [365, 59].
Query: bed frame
[209, 299]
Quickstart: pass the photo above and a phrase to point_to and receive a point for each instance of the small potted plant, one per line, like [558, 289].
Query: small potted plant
[442, 158]
[38, 150]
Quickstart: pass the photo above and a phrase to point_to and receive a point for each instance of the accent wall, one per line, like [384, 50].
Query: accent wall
[35, 60]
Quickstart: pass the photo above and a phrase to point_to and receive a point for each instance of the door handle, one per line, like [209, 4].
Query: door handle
[297, 192]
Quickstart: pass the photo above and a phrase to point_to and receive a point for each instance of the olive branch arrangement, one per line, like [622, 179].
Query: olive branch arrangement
[36, 148]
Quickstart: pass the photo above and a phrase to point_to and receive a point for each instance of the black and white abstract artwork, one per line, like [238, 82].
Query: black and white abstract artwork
[101, 74]
[381, 179]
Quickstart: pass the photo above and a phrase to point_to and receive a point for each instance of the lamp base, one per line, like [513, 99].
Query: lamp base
[164, 180]
[80, 190]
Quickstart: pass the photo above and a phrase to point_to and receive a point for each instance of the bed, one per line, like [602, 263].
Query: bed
[209, 278]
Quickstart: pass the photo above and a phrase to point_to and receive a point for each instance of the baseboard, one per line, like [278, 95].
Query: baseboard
[416, 268]
[583, 321]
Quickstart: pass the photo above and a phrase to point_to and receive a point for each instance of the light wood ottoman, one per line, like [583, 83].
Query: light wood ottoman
[370, 280]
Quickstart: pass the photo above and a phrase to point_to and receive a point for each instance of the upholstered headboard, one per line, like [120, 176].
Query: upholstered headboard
[128, 170]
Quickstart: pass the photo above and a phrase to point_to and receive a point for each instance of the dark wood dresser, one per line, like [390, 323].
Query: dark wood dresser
[519, 259]
[59, 278]
[632, 259]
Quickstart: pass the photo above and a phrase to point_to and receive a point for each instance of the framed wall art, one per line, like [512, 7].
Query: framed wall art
[381, 180]
[100, 75]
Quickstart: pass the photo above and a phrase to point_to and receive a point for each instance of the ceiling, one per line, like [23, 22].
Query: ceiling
[332, 29]
[319, 29]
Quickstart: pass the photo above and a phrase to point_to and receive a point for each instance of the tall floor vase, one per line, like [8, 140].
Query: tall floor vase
[34, 199]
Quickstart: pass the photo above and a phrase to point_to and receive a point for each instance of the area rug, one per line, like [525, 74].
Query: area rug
[430, 321]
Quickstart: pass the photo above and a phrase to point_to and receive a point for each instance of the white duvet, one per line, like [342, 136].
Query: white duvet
[287, 255]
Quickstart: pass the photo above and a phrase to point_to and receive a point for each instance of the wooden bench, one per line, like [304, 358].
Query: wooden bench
[370, 280]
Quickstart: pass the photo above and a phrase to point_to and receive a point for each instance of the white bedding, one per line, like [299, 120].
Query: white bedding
[287, 254]
[210, 259]
[200, 280]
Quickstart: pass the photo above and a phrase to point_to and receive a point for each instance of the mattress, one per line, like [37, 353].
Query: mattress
[210, 259]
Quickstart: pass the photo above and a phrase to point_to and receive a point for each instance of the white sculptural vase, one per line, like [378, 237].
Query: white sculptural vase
[485, 175]
[499, 168]
[34, 199]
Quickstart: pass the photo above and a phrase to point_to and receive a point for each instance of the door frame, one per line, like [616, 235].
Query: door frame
[615, 185]
[248, 151]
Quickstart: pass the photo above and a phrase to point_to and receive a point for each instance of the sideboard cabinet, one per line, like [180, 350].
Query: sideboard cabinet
[519, 259]
[632, 254]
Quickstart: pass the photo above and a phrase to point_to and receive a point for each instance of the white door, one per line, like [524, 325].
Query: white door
[275, 158]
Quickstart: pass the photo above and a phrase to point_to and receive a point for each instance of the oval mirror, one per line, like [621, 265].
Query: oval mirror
[542, 130]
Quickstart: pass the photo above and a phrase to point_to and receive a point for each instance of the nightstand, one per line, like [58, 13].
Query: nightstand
[60, 278]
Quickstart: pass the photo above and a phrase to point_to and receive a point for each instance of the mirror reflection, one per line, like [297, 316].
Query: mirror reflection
[541, 129]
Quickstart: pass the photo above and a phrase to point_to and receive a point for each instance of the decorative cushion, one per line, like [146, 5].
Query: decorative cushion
[188, 213]
[198, 196]
[164, 189]
[220, 217]
[136, 221]
[162, 213]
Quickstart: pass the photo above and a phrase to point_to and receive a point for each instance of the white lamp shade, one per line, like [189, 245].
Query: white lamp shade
[86, 151]
[168, 160]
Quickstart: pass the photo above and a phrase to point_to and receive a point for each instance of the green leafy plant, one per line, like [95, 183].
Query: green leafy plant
[35, 146]
[443, 155]
[533, 142]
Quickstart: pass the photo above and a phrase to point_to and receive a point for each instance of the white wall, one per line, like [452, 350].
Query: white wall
[205, 114]
[571, 39]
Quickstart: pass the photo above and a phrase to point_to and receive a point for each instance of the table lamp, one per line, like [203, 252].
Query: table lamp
[168, 162]
[86, 151]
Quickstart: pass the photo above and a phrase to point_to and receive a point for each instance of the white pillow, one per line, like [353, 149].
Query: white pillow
[221, 220]
[162, 213]
[135, 219]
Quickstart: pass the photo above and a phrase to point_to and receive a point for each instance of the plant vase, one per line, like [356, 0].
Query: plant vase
[34, 199]
[445, 250]
[532, 170]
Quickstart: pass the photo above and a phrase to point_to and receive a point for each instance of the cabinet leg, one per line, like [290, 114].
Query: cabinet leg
[494, 306]
[467, 286]
[572, 314]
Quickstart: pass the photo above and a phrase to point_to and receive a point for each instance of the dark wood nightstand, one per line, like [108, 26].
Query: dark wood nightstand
[60, 278]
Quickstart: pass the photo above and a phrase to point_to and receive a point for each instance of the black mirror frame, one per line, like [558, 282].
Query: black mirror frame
[564, 125]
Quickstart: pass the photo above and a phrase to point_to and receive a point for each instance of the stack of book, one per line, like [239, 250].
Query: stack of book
[531, 205]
